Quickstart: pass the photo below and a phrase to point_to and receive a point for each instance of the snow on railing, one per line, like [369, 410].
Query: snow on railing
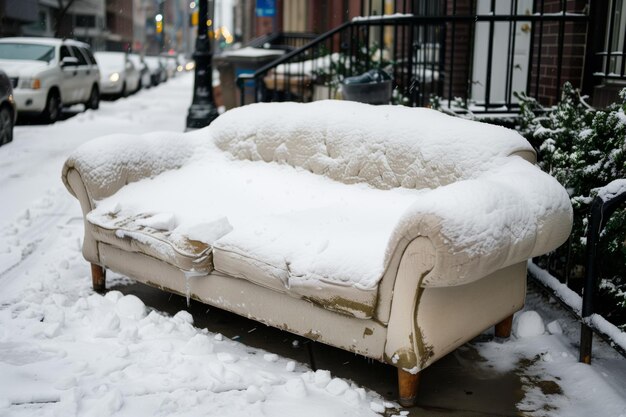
[571, 299]
[377, 17]
[560, 290]
[612, 190]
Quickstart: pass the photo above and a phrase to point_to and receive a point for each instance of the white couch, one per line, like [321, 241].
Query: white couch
[396, 233]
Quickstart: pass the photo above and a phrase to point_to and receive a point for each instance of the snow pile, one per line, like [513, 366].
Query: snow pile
[99, 355]
[529, 324]
[554, 327]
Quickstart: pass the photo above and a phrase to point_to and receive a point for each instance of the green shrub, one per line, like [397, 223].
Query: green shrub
[584, 149]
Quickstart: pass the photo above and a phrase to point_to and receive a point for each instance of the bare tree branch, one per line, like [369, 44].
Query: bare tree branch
[61, 12]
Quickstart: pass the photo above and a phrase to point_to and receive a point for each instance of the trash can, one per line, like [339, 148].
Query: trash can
[231, 64]
[371, 87]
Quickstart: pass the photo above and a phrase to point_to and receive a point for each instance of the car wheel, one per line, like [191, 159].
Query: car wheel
[94, 99]
[52, 112]
[124, 90]
[6, 126]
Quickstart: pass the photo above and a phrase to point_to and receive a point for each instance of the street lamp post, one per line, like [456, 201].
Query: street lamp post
[202, 110]
[158, 21]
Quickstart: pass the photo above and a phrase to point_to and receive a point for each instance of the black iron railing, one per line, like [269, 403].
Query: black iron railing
[600, 213]
[601, 210]
[474, 59]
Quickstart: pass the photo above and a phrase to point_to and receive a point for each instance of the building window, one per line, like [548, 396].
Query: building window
[42, 21]
[85, 21]
[614, 41]
[40, 26]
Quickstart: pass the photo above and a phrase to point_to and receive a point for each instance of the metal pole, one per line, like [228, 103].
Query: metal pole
[202, 110]
[601, 211]
[593, 234]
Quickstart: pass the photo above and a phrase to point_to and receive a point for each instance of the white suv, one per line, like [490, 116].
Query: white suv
[49, 73]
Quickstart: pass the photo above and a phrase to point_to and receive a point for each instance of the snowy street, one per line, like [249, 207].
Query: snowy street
[65, 350]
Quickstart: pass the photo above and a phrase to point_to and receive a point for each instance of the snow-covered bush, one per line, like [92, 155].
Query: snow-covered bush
[584, 149]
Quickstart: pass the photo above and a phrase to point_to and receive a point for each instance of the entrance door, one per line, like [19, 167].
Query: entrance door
[503, 81]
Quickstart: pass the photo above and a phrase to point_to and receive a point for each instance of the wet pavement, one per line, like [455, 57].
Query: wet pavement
[456, 386]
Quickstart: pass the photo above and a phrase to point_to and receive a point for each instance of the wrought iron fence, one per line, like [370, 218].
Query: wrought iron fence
[474, 57]
[587, 284]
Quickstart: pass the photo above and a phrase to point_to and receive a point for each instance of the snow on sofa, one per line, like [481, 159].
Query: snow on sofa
[396, 233]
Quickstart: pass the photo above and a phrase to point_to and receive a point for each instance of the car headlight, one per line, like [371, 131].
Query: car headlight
[30, 83]
[179, 68]
[114, 77]
[190, 65]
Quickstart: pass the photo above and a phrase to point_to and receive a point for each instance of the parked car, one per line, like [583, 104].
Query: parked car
[8, 112]
[144, 72]
[118, 75]
[157, 70]
[190, 65]
[47, 74]
[171, 65]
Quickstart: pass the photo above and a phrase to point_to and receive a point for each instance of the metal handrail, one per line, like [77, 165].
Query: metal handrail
[323, 37]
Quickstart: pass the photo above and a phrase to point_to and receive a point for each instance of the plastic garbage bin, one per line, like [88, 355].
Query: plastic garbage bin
[231, 64]
[371, 87]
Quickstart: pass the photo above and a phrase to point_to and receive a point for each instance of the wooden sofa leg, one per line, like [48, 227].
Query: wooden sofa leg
[98, 278]
[407, 387]
[503, 329]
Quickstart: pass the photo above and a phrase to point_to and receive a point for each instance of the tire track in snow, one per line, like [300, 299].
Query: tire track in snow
[38, 232]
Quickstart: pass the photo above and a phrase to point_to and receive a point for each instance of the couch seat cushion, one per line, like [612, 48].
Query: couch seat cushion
[137, 233]
[288, 229]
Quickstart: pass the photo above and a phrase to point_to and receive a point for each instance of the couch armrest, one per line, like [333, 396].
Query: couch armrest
[108, 163]
[99, 168]
[478, 226]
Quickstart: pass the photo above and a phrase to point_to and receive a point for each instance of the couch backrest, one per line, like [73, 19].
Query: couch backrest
[384, 146]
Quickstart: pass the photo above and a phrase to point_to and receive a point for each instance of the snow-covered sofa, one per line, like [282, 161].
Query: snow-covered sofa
[396, 233]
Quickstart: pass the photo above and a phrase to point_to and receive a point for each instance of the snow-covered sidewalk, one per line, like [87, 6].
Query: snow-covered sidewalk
[65, 350]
